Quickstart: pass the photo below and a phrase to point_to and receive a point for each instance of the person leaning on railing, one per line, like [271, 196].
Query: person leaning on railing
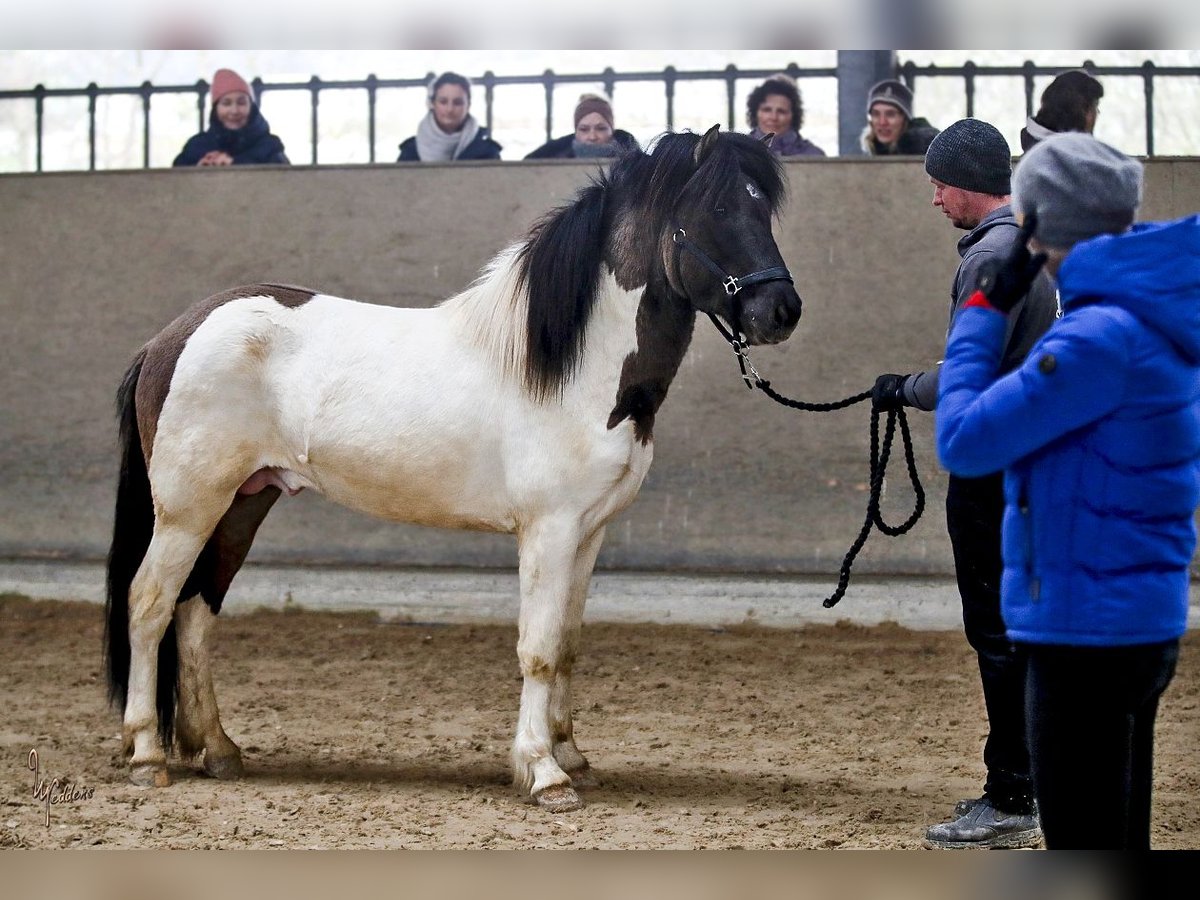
[237, 133]
[594, 134]
[891, 129]
[775, 107]
[1071, 102]
[449, 131]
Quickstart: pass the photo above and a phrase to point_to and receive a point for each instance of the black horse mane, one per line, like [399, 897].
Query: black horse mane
[559, 267]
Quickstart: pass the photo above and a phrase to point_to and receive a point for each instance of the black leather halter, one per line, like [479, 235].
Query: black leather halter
[732, 284]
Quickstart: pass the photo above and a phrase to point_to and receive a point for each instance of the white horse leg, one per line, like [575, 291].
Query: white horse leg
[159, 579]
[548, 549]
[566, 753]
[198, 722]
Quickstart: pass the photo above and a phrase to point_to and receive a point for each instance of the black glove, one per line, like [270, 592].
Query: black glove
[888, 392]
[1005, 282]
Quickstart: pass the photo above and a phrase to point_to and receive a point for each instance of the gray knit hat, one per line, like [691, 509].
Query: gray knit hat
[1078, 187]
[894, 93]
[971, 155]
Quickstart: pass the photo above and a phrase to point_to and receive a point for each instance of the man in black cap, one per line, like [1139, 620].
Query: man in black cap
[891, 129]
[970, 167]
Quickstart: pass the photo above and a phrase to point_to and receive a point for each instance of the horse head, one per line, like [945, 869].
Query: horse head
[718, 249]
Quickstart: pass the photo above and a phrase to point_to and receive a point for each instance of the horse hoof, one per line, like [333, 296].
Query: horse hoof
[584, 778]
[149, 775]
[559, 798]
[224, 768]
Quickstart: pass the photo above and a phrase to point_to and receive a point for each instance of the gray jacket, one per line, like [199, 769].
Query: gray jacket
[992, 238]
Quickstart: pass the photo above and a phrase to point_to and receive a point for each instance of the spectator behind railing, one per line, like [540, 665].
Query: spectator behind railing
[237, 132]
[891, 129]
[449, 131]
[594, 134]
[1070, 102]
[775, 107]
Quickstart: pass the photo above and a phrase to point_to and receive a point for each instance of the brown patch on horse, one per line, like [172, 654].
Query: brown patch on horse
[226, 549]
[664, 330]
[162, 352]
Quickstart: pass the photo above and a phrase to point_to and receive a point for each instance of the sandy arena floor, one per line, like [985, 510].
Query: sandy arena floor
[365, 734]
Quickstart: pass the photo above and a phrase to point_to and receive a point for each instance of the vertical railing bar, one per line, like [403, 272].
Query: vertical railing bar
[1029, 71]
[314, 87]
[731, 72]
[371, 89]
[969, 79]
[147, 92]
[489, 99]
[1148, 87]
[39, 107]
[669, 87]
[91, 93]
[201, 90]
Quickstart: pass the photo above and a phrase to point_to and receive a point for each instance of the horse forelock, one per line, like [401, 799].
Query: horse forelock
[735, 157]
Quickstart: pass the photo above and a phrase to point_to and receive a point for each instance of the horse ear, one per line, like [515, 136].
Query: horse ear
[767, 138]
[706, 144]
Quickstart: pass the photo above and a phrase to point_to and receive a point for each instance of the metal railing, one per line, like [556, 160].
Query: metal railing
[668, 77]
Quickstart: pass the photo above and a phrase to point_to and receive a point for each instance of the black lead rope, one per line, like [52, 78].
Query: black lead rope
[880, 454]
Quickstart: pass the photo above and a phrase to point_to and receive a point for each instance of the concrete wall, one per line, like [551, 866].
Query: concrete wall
[92, 265]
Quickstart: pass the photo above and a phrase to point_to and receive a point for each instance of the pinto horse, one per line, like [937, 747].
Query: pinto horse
[524, 404]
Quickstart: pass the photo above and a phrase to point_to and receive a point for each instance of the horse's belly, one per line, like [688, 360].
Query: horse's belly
[441, 494]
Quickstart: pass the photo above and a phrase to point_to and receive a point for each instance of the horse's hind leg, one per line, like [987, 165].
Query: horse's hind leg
[566, 753]
[548, 549]
[198, 726]
[169, 558]
[199, 723]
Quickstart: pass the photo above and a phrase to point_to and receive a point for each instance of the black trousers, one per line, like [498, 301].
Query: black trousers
[974, 513]
[1091, 738]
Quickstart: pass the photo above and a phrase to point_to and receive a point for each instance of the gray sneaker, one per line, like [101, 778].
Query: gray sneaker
[984, 826]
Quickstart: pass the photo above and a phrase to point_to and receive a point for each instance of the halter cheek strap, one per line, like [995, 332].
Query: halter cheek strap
[732, 284]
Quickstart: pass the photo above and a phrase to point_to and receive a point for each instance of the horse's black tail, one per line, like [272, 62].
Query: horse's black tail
[133, 526]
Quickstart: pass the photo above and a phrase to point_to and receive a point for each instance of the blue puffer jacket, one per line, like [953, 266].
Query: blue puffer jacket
[1098, 432]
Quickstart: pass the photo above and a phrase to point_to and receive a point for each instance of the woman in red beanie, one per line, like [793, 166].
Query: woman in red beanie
[237, 132]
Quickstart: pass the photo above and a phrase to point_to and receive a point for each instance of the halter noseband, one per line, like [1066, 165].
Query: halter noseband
[732, 284]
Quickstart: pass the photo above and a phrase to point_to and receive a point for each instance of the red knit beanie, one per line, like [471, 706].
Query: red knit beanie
[226, 81]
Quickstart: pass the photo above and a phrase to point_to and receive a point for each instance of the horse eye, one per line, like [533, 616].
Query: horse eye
[720, 210]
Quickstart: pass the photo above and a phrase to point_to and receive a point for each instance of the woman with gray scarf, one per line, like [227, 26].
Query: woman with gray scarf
[449, 131]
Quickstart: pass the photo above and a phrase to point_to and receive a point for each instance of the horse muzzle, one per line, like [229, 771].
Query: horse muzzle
[769, 312]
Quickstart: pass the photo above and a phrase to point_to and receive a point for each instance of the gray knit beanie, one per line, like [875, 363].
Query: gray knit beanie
[1078, 187]
[971, 155]
[894, 93]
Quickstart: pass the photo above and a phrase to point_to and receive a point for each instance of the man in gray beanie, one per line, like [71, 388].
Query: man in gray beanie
[1098, 434]
[970, 166]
